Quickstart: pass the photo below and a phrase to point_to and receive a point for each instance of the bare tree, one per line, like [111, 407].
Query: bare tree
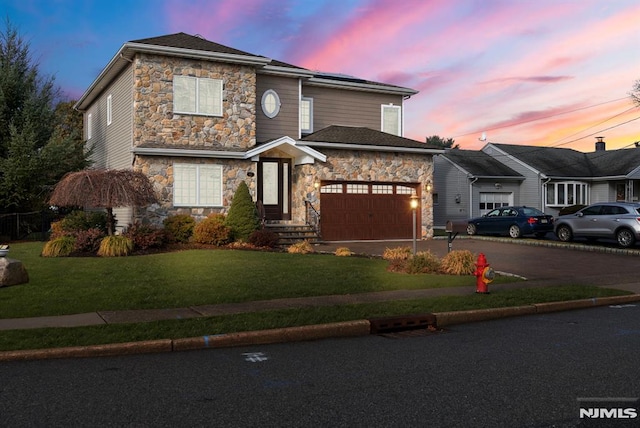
[635, 93]
[104, 188]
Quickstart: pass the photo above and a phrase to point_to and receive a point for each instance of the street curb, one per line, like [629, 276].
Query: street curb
[297, 334]
[278, 335]
[444, 319]
[109, 350]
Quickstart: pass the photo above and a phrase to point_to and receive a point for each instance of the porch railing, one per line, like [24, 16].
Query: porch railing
[312, 217]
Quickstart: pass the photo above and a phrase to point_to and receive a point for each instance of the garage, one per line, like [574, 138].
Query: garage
[366, 211]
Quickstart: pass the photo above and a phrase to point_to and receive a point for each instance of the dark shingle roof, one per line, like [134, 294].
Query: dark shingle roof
[363, 136]
[186, 41]
[614, 162]
[561, 162]
[480, 164]
[551, 161]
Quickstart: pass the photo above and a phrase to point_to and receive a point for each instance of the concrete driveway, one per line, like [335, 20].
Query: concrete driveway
[539, 260]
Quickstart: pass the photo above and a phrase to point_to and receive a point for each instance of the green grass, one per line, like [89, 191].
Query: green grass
[199, 277]
[119, 333]
[73, 285]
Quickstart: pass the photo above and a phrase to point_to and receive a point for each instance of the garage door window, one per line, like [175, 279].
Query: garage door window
[358, 188]
[405, 190]
[490, 201]
[382, 189]
[331, 188]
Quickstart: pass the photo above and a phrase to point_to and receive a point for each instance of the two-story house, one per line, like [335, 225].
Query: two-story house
[198, 118]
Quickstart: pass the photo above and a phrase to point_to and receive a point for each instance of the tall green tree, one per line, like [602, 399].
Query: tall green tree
[438, 141]
[40, 137]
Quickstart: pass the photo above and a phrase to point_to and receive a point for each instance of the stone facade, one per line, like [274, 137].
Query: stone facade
[154, 121]
[345, 165]
[160, 171]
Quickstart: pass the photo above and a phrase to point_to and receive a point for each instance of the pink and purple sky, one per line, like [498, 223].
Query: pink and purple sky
[554, 73]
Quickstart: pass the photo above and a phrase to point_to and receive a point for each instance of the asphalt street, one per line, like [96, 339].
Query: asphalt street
[516, 372]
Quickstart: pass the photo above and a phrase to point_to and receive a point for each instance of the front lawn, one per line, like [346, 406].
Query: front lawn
[194, 277]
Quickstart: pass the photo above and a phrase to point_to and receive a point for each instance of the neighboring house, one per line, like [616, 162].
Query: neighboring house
[546, 178]
[199, 118]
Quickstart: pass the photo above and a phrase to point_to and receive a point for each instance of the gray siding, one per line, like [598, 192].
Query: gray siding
[347, 107]
[530, 192]
[287, 122]
[112, 143]
[449, 181]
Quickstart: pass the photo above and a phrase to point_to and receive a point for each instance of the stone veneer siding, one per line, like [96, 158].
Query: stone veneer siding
[160, 170]
[156, 124]
[346, 165]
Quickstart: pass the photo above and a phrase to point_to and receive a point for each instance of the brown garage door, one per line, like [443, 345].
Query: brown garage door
[361, 211]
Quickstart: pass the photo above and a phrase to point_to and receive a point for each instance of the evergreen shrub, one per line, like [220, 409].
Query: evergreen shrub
[179, 228]
[242, 218]
[212, 231]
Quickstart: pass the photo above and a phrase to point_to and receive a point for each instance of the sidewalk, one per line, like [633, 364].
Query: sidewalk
[627, 283]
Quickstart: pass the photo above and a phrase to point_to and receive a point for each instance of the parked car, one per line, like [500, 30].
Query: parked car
[514, 221]
[612, 220]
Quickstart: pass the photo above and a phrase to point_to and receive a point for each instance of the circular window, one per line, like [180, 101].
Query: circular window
[270, 103]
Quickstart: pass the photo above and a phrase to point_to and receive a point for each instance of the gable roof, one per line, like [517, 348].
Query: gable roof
[569, 163]
[479, 164]
[196, 47]
[361, 138]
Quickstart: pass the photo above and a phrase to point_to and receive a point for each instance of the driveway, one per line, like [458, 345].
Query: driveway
[532, 259]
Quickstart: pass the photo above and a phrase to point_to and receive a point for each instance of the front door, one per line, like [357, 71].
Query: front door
[274, 188]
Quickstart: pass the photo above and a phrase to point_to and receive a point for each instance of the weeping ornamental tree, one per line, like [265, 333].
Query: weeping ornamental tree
[104, 188]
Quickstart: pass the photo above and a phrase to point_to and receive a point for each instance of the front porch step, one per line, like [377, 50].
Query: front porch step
[290, 233]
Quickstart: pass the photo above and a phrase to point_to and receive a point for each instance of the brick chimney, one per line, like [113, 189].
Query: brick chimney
[601, 146]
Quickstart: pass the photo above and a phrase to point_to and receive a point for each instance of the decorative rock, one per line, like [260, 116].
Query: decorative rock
[12, 272]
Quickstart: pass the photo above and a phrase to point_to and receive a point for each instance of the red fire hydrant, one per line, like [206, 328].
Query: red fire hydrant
[484, 275]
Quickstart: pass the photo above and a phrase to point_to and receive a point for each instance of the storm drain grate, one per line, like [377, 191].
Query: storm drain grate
[418, 332]
[402, 323]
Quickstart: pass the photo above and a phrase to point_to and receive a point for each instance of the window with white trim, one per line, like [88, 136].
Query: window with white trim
[193, 95]
[89, 126]
[270, 103]
[391, 119]
[109, 116]
[196, 185]
[306, 115]
[567, 193]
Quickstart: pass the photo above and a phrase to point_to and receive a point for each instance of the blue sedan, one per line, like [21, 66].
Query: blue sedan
[514, 221]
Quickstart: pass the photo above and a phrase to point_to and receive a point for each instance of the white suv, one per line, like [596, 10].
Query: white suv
[611, 220]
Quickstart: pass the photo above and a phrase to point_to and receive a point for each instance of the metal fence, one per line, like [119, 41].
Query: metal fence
[33, 226]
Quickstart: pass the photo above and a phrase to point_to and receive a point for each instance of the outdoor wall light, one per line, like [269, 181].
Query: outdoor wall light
[428, 187]
[316, 183]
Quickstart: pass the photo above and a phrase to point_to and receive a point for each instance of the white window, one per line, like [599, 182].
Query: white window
[192, 95]
[89, 126]
[197, 185]
[109, 117]
[567, 193]
[391, 119]
[270, 103]
[306, 115]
